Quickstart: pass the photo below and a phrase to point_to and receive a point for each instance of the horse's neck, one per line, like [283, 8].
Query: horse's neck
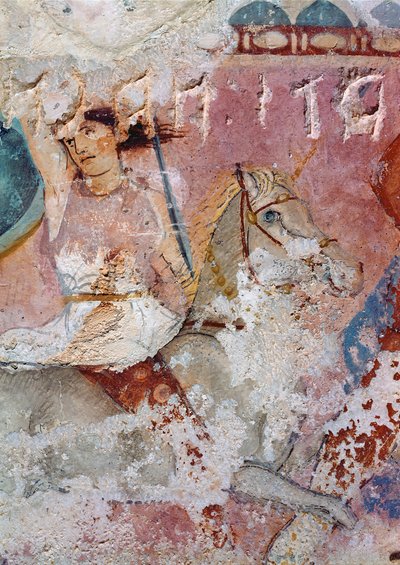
[224, 254]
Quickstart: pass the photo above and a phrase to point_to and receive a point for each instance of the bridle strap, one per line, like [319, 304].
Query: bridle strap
[277, 201]
[246, 209]
[245, 206]
[244, 239]
[244, 201]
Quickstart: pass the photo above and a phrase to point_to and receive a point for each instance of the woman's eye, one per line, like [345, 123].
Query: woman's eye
[271, 216]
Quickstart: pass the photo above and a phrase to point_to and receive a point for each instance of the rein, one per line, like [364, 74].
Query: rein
[246, 211]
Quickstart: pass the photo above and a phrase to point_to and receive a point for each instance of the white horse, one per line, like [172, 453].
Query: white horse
[245, 343]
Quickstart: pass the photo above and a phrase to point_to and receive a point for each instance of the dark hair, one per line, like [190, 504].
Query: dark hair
[137, 137]
[137, 134]
[104, 115]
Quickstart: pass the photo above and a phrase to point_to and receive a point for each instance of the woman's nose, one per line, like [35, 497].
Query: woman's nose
[80, 147]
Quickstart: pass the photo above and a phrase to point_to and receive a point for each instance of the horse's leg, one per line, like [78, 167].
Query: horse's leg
[38, 402]
[361, 440]
[291, 454]
[259, 482]
[192, 364]
[189, 355]
[202, 367]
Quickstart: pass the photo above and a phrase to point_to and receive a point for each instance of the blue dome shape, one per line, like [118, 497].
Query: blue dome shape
[260, 13]
[387, 14]
[323, 13]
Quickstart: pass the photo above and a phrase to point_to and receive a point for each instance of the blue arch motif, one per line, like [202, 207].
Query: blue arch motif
[260, 13]
[387, 13]
[323, 13]
[21, 186]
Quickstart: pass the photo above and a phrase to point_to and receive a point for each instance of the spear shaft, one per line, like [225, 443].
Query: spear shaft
[175, 216]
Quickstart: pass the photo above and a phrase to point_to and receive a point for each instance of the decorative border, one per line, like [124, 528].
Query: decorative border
[318, 40]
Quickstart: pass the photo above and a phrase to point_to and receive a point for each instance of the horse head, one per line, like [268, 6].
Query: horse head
[281, 244]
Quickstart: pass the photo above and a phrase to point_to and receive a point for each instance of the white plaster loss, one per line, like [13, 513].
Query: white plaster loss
[83, 335]
[301, 248]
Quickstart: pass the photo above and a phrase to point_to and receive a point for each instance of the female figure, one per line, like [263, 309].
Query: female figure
[113, 244]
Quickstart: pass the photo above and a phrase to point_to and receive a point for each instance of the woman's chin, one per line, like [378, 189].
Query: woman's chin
[96, 170]
[102, 183]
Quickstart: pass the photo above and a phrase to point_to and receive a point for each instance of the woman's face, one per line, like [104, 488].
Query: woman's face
[93, 148]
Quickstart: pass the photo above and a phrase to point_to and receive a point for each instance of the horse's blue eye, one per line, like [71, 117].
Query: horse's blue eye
[270, 216]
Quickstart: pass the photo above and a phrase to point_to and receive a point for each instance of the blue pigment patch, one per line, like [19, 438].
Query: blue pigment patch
[372, 321]
[21, 186]
[323, 13]
[387, 14]
[381, 494]
[260, 13]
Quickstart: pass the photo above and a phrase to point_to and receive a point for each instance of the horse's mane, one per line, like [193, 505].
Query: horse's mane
[203, 222]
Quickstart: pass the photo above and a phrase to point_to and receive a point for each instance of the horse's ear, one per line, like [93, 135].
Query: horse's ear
[251, 185]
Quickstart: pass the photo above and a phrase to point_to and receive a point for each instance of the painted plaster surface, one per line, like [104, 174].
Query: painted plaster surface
[199, 282]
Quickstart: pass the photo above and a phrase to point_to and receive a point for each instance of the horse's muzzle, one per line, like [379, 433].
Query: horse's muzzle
[346, 277]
